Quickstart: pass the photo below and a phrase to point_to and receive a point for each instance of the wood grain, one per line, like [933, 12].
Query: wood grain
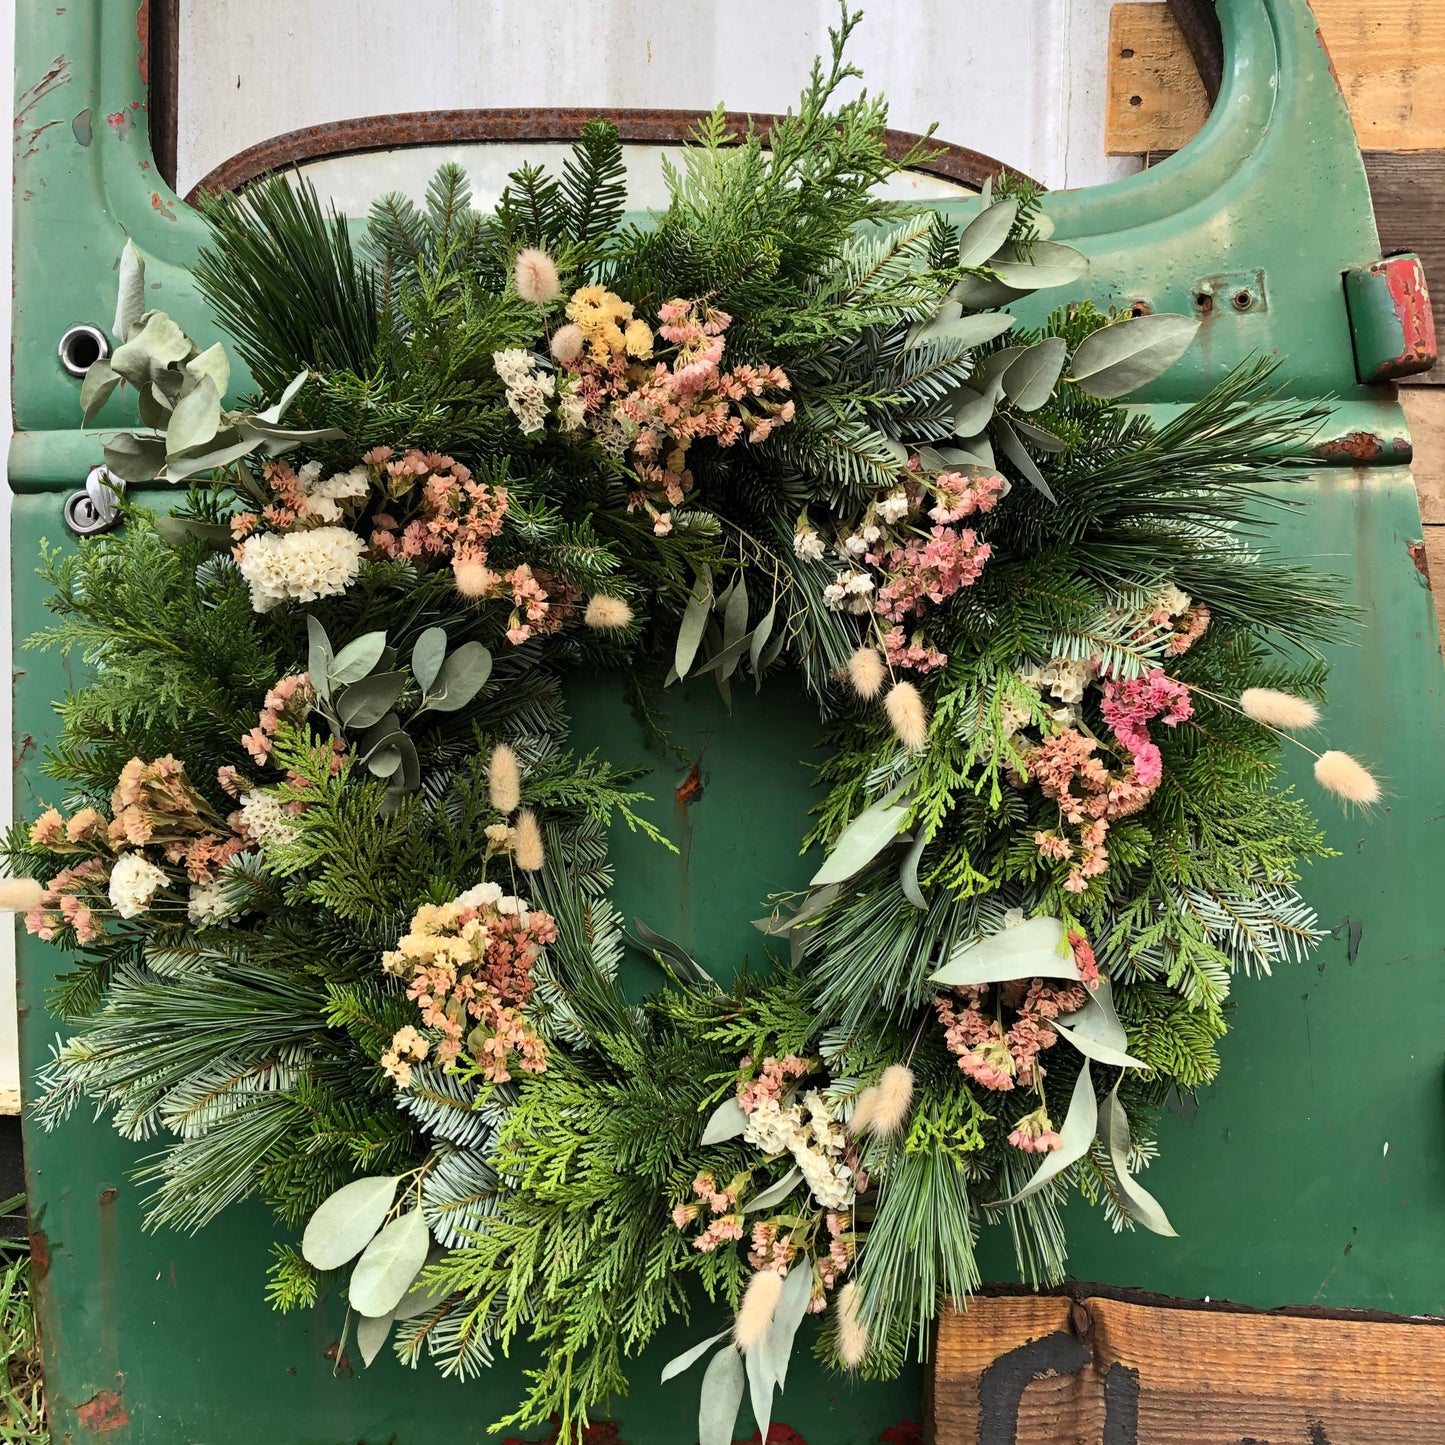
[1425, 412]
[1102, 1371]
[1389, 56]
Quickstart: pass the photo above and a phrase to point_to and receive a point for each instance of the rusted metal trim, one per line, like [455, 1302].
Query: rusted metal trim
[158, 24]
[536, 123]
[1198, 22]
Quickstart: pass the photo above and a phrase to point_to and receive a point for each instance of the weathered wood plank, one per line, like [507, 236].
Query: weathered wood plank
[1027, 1370]
[1389, 56]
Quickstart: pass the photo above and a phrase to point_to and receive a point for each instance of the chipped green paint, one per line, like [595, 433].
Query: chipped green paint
[162, 1339]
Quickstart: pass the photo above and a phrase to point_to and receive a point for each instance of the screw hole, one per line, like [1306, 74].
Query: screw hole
[1136, 100]
[81, 347]
[1243, 300]
[1204, 301]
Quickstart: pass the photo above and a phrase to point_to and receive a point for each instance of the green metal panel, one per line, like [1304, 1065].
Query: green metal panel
[1313, 1173]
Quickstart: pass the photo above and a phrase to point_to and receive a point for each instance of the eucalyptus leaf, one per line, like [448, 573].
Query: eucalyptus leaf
[461, 677]
[683, 964]
[318, 656]
[949, 311]
[368, 701]
[157, 344]
[978, 292]
[1035, 949]
[775, 1193]
[1036, 436]
[978, 451]
[212, 362]
[688, 1358]
[811, 907]
[792, 1306]
[135, 459]
[130, 297]
[1077, 1132]
[346, 1221]
[772, 651]
[1121, 358]
[761, 633]
[725, 660]
[1114, 1131]
[862, 841]
[384, 762]
[419, 1300]
[356, 659]
[722, 1395]
[371, 1334]
[726, 1122]
[970, 330]
[735, 617]
[694, 621]
[1039, 266]
[231, 447]
[273, 414]
[1030, 381]
[988, 230]
[1014, 450]
[761, 1384]
[176, 531]
[155, 410]
[972, 408]
[1095, 1029]
[908, 872]
[426, 656]
[101, 379]
[410, 779]
[389, 1264]
[383, 734]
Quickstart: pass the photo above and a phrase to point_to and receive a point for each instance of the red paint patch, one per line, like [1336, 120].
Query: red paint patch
[778, 1434]
[117, 120]
[1405, 278]
[339, 1357]
[905, 1432]
[1329, 60]
[103, 1412]
[1421, 561]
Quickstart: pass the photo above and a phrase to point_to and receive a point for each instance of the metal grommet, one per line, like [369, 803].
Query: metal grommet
[81, 347]
[95, 508]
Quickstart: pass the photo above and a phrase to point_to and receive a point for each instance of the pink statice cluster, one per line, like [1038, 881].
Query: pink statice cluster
[289, 701]
[156, 804]
[1034, 1133]
[996, 1057]
[432, 509]
[930, 569]
[724, 1219]
[71, 898]
[467, 965]
[1130, 706]
[769, 1081]
[957, 496]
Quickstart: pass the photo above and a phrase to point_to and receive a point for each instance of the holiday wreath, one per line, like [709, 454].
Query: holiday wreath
[336, 888]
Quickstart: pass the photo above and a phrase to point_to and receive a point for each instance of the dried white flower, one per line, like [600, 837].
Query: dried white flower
[133, 883]
[206, 904]
[894, 507]
[300, 566]
[808, 544]
[264, 818]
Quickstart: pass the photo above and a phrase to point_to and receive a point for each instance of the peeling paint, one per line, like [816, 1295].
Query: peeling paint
[80, 127]
[1421, 561]
[102, 1412]
[1365, 448]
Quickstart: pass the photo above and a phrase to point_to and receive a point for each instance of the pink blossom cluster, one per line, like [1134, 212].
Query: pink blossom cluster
[833, 1265]
[1034, 1134]
[1130, 706]
[958, 496]
[65, 893]
[290, 700]
[930, 569]
[901, 651]
[155, 803]
[452, 516]
[770, 1082]
[726, 1223]
[987, 1053]
[1189, 627]
[771, 1247]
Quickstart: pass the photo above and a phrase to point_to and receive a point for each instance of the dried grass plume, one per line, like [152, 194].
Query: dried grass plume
[606, 614]
[1278, 709]
[537, 279]
[894, 1095]
[852, 1337]
[527, 848]
[908, 715]
[504, 779]
[755, 1314]
[471, 579]
[867, 673]
[567, 344]
[20, 895]
[1341, 775]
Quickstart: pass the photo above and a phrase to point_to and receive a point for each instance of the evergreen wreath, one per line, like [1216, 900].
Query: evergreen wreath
[336, 887]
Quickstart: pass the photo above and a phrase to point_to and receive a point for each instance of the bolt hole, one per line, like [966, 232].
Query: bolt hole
[1243, 300]
[1204, 301]
[1136, 100]
[81, 347]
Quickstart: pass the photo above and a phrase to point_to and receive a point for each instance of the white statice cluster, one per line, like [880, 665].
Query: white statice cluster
[206, 904]
[1170, 601]
[133, 883]
[815, 1139]
[529, 389]
[1063, 680]
[849, 592]
[324, 496]
[490, 895]
[894, 507]
[861, 542]
[264, 818]
[571, 410]
[809, 545]
[299, 566]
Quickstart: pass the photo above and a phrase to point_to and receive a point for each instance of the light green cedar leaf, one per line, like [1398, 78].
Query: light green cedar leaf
[726, 1122]
[1035, 949]
[1095, 1029]
[318, 656]
[1015, 451]
[371, 1335]
[1118, 359]
[356, 659]
[1039, 266]
[1030, 381]
[273, 414]
[761, 633]
[1077, 1133]
[157, 344]
[133, 458]
[694, 621]
[461, 677]
[908, 872]
[389, 1264]
[345, 1221]
[130, 297]
[427, 655]
[195, 420]
[988, 230]
[792, 1306]
[100, 381]
[775, 1193]
[212, 362]
[862, 841]
[970, 330]
[688, 1358]
[368, 701]
[1138, 1202]
[722, 1395]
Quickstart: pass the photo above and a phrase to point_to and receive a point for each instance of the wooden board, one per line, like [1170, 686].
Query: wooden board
[1048, 1370]
[1389, 56]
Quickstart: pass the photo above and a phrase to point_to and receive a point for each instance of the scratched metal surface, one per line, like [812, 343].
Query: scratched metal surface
[1314, 1172]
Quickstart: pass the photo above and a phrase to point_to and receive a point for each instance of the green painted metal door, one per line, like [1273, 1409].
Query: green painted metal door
[1314, 1172]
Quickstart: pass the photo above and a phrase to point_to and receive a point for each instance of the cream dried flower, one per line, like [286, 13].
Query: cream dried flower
[852, 1336]
[20, 895]
[472, 579]
[536, 274]
[527, 849]
[760, 1304]
[1341, 775]
[867, 672]
[894, 1095]
[607, 614]
[908, 716]
[134, 881]
[504, 779]
[567, 344]
[1278, 709]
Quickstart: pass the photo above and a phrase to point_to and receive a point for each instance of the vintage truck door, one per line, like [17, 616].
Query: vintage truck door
[1257, 225]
